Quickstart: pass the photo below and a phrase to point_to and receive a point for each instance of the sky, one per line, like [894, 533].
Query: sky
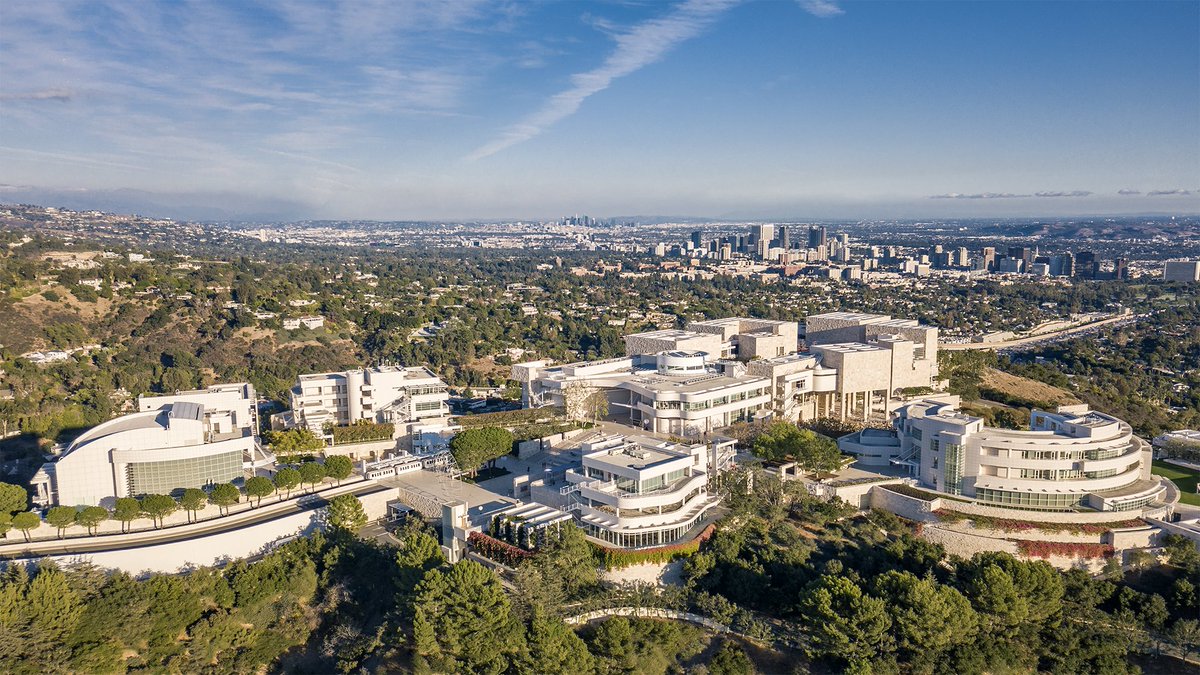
[459, 109]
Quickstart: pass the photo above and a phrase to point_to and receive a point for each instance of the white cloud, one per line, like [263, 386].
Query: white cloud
[821, 8]
[642, 45]
[1072, 193]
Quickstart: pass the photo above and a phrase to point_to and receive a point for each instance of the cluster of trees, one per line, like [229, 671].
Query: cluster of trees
[784, 441]
[1147, 373]
[865, 594]
[158, 507]
[472, 448]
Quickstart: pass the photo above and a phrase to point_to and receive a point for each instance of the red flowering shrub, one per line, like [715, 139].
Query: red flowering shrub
[1045, 549]
[494, 549]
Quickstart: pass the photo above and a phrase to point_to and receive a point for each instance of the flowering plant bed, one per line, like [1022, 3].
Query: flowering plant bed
[494, 549]
[616, 558]
[1013, 525]
[1045, 549]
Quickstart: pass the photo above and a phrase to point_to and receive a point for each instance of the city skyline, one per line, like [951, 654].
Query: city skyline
[710, 108]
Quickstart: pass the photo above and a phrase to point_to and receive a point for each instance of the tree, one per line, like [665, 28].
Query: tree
[928, 618]
[224, 496]
[13, 498]
[1185, 636]
[463, 621]
[158, 507]
[338, 467]
[584, 402]
[783, 440]
[731, 660]
[294, 442]
[473, 447]
[26, 521]
[311, 473]
[345, 512]
[287, 479]
[193, 500]
[127, 510]
[555, 648]
[844, 622]
[259, 487]
[61, 517]
[90, 517]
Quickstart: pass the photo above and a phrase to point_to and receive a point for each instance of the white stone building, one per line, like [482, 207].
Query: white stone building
[635, 492]
[185, 440]
[1071, 459]
[689, 382]
[380, 394]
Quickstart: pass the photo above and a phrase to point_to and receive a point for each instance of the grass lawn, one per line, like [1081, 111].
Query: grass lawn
[1182, 477]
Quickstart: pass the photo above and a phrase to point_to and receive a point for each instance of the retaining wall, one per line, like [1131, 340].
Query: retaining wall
[904, 506]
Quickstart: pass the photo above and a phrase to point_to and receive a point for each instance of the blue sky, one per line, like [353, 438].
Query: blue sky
[771, 109]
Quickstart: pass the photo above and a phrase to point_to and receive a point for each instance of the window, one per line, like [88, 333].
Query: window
[426, 406]
[170, 475]
[1043, 501]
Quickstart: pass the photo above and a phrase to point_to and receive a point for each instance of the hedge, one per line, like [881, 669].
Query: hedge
[510, 418]
[362, 432]
[494, 549]
[618, 558]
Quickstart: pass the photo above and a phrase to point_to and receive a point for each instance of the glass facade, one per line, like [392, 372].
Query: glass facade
[954, 468]
[641, 539]
[1030, 500]
[166, 476]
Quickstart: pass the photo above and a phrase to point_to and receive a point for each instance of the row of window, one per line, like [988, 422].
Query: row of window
[169, 475]
[1103, 453]
[1069, 474]
[1029, 500]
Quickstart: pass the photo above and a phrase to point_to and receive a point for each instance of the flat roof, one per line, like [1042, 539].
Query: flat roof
[850, 347]
[633, 457]
[694, 384]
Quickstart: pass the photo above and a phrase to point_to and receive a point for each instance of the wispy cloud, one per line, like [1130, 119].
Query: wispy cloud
[978, 195]
[1072, 193]
[1162, 193]
[1128, 191]
[821, 8]
[61, 95]
[642, 45]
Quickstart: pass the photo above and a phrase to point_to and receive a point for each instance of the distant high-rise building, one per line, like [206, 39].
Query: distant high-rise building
[1061, 265]
[1182, 270]
[817, 236]
[783, 237]
[1086, 265]
[1120, 268]
[697, 238]
[989, 257]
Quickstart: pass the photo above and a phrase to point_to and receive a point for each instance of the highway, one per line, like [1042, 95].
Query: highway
[1035, 339]
[100, 544]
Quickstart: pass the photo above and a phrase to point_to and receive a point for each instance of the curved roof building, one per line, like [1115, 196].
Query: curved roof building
[178, 444]
[1070, 459]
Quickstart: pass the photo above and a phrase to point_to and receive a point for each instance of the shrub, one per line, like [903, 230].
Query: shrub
[494, 549]
[363, 431]
[510, 418]
[1045, 549]
[1013, 525]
